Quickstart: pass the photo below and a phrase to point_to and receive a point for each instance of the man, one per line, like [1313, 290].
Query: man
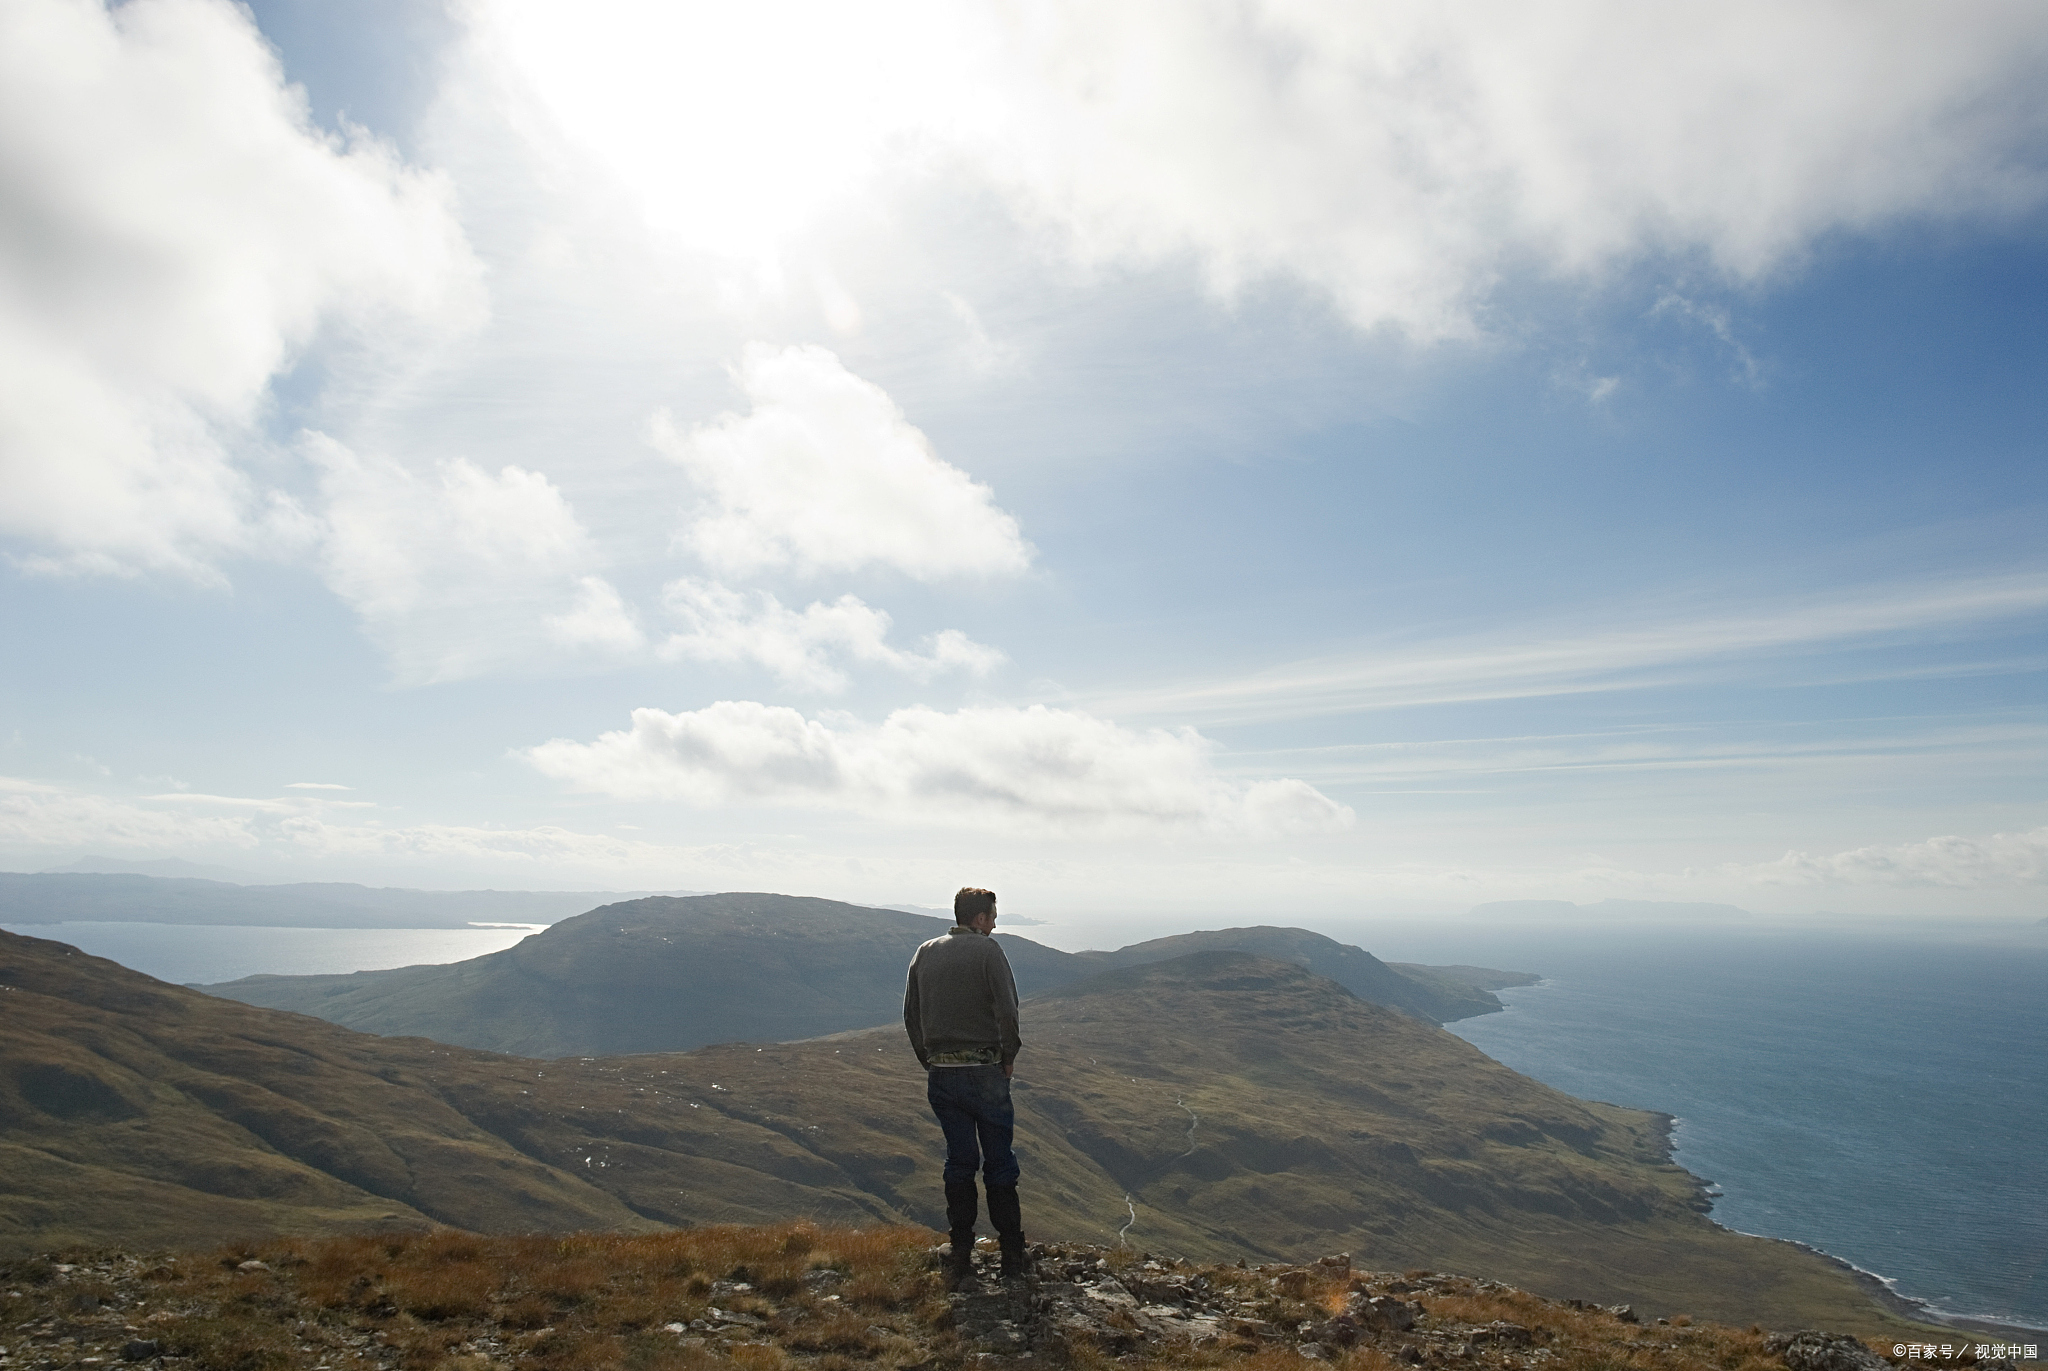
[960, 1009]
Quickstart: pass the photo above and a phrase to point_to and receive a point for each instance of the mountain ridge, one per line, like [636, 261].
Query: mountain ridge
[671, 974]
[1610, 910]
[653, 974]
[1437, 994]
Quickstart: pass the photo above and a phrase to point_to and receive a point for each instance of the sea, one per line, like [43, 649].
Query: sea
[1880, 1096]
[202, 954]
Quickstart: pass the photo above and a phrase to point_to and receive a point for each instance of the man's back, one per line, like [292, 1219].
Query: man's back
[960, 1001]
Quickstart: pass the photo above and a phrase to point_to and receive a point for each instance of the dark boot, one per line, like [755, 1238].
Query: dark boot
[1007, 1217]
[963, 1203]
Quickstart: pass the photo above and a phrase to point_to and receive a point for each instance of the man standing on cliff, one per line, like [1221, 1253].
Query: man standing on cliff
[960, 1009]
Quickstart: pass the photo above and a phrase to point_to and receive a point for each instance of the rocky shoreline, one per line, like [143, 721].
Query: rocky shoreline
[1907, 1307]
[1881, 1293]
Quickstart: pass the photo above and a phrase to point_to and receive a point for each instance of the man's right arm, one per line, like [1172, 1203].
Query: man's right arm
[1002, 986]
[913, 1016]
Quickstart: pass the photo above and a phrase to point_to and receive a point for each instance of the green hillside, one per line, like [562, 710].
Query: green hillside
[1438, 994]
[652, 975]
[1212, 1107]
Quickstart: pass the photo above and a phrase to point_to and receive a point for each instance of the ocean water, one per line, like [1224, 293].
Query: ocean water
[200, 954]
[1884, 1100]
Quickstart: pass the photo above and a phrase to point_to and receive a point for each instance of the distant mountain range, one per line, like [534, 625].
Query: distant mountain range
[171, 890]
[123, 897]
[1647, 911]
[173, 867]
[665, 974]
[1214, 1105]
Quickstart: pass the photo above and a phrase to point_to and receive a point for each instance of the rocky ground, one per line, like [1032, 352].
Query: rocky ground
[799, 1298]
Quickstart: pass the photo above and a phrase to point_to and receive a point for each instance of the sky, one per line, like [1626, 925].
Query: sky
[1247, 461]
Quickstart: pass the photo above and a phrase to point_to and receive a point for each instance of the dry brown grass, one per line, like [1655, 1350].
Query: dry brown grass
[846, 1333]
[226, 1343]
[1514, 1306]
[822, 1299]
[627, 1283]
[453, 1301]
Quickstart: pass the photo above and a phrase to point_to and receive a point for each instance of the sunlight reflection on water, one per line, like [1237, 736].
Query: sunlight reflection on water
[199, 954]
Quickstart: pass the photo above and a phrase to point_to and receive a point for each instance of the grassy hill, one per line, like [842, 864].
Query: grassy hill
[1213, 1107]
[1438, 994]
[651, 975]
[657, 975]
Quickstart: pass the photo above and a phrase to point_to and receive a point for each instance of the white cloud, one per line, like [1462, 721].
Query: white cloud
[224, 802]
[38, 818]
[990, 767]
[174, 233]
[725, 625]
[465, 572]
[825, 474]
[1401, 157]
[731, 123]
[2001, 860]
[542, 846]
[598, 619]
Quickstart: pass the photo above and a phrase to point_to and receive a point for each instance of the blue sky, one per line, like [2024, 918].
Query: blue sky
[1216, 461]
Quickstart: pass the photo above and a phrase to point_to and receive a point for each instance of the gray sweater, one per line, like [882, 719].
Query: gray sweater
[960, 999]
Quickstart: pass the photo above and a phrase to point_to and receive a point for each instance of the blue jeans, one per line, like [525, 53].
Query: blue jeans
[973, 1107]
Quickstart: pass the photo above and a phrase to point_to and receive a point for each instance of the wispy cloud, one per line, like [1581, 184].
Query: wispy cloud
[1650, 651]
[41, 817]
[224, 802]
[1950, 861]
[725, 625]
[465, 571]
[1473, 765]
[38, 817]
[1716, 321]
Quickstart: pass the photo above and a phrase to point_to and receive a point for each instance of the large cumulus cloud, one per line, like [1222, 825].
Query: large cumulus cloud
[174, 231]
[1401, 158]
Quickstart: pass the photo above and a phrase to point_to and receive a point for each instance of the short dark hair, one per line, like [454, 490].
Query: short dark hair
[971, 903]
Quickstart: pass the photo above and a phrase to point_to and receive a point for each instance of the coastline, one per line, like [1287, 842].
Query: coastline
[1704, 1191]
[1880, 1290]
[1907, 1306]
